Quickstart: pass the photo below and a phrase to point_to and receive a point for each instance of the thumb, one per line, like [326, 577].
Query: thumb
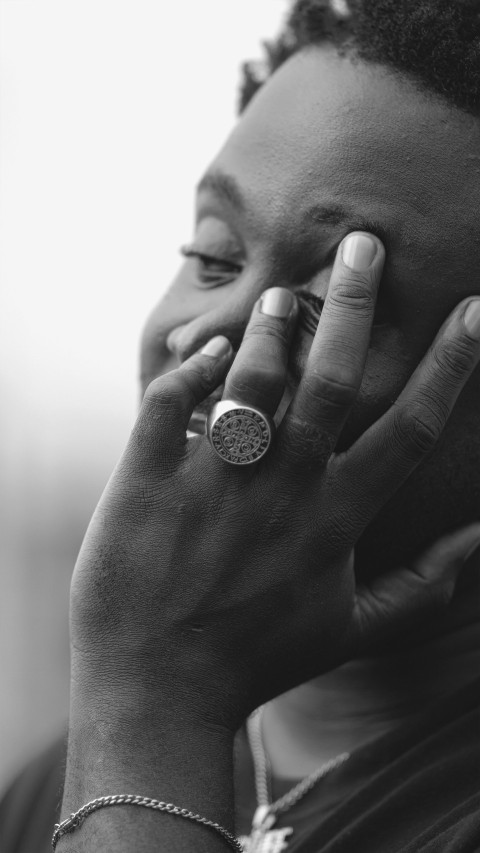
[170, 400]
[401, 599]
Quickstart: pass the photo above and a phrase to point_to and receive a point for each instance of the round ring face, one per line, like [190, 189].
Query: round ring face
[241, 436]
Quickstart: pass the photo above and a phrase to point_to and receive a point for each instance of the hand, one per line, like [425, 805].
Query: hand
[210, 589]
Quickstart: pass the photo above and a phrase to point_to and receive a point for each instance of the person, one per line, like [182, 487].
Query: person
[333, 583]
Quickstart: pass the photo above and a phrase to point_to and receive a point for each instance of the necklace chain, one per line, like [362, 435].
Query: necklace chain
[262, 775]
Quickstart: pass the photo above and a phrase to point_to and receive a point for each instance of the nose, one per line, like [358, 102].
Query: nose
[229, 319]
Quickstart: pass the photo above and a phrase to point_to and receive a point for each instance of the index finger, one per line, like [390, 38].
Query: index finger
[257, 376]
[336, 362]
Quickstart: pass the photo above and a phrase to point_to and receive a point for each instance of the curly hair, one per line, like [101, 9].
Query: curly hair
[435, 43]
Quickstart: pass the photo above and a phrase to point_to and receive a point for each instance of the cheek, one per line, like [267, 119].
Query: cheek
[181, 303]
[424, 283]
[386, 373]
[389, 365]
[155, 357]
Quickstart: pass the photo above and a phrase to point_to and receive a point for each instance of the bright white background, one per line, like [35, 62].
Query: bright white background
[110, 110]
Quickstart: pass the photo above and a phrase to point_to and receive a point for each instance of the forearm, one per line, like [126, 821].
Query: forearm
[163, 759]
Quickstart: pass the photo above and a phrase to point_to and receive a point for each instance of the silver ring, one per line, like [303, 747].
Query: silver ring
[240, 434]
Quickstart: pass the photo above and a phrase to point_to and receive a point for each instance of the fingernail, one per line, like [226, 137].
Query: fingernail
[471, 318]
[217, 347]
[358, 252]
[277, 302]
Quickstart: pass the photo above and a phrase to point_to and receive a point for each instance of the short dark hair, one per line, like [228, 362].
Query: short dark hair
[436, 43]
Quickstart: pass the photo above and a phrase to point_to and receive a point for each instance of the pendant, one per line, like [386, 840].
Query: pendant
[263, 839]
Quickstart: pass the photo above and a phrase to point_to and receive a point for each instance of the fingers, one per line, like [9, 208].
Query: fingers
[335, 366]
[382, 459]
[258, 374]
[257, 377]
[397, 602]
[169, 400]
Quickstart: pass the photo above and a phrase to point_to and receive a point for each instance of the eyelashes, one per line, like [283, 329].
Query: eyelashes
[209, 260]
[310, 308]
[212, 271]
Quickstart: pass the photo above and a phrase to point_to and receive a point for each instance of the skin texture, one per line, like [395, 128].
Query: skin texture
[202, 623]
[181, 623]
[327, 131]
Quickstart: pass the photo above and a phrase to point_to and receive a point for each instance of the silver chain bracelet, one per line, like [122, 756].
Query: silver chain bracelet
[76, 818]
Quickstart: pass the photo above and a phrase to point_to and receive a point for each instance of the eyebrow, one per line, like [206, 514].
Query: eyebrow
[328, 214]
[337, 215]
[226, 187]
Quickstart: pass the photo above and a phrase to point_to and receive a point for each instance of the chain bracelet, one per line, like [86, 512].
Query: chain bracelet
[76, 818]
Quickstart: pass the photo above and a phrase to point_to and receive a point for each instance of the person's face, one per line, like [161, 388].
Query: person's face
[328, 146]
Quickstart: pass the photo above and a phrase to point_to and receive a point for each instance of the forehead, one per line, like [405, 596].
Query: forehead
[326, 130]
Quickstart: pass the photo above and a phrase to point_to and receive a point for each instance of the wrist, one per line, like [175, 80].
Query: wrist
[188, 695]
[165, 751]
[153, 756]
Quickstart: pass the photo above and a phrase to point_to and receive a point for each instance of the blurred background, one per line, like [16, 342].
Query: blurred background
[110, 111]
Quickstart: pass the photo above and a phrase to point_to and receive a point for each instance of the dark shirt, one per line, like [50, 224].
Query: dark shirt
[414, 790]
[31, 806]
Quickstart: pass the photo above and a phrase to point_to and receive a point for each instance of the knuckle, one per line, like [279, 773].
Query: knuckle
[356, 294]
[454, 358]
[163, 394]
[174, 389]
[306, 440]
[436, 405]
[266, 327]
[250, 381]
[201, 372]
[418, 426]
[160, 389]
[195, 379]
[335, 385]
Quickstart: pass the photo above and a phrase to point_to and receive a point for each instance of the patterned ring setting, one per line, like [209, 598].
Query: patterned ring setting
[239, 434]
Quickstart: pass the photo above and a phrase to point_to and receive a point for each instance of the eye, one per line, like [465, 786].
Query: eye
[212, 270]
